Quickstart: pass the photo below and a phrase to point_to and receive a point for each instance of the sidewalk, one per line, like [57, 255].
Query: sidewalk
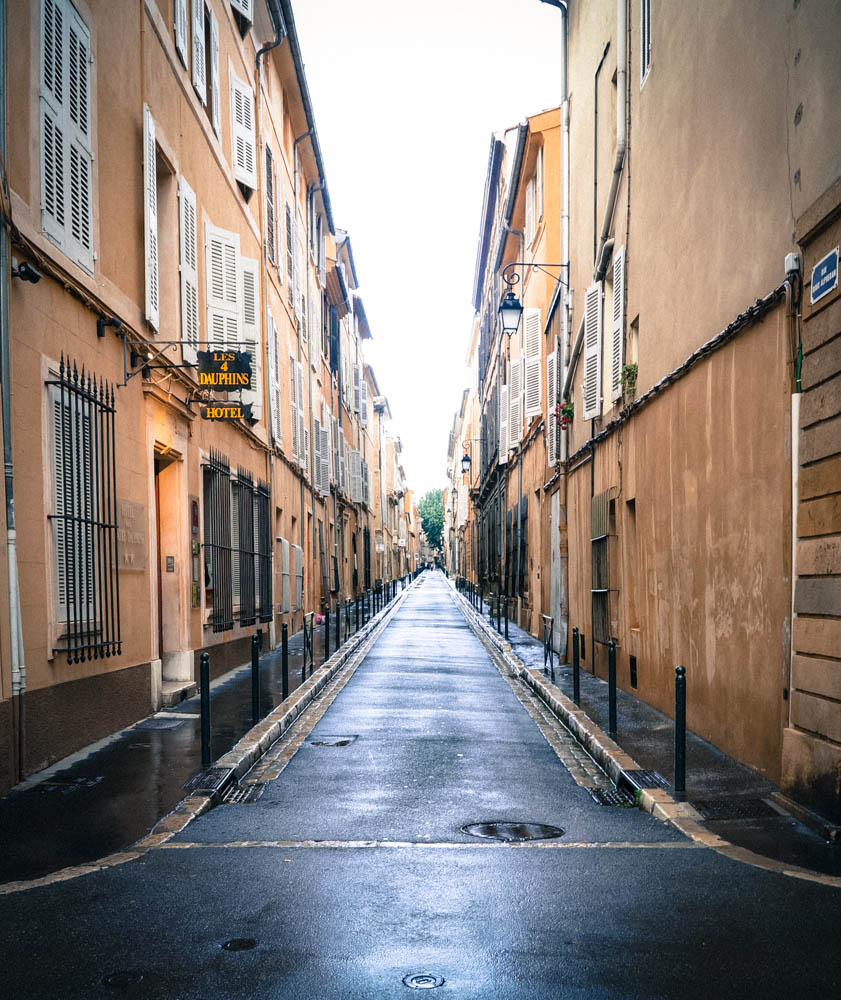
[110, 794]
[718, 786]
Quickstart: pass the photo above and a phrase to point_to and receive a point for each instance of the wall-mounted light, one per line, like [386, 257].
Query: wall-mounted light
[465, 464]
[25, 271]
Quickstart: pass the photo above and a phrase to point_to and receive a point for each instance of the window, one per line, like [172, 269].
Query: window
[66, 113]
[84, 516]
[645, 39]
[243, 145]
[180, 28]
[602, 520]
[243, 15]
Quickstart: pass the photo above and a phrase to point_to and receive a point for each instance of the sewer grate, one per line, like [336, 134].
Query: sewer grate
[160, 723]
[511, 832]
[423, 981]
[208, 780]
[243, 794]
[611, 797]
[640, 778]
[720, 809]
[331, 741]
[123, 979]
[239, 944]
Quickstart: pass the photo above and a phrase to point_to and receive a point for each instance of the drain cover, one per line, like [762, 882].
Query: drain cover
[640, 778]
[159, 723]
[209, 780]
[423, 981]
[122, 980]
[511, 832]
[243, 794]
[721, 809]
[611, 797]
[331, 741]
[239, 944]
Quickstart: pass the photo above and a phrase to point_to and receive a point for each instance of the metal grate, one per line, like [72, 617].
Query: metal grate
[640, 778]
[208, 780]
[722, 809]
[243, 794]
[160, 723]
[331, 741]
[611, 797]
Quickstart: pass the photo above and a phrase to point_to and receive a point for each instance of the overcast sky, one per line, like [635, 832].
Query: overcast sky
[406, 96]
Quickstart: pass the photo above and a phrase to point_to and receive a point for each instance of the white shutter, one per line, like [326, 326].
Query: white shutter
[551, 408]
[244, 8]
[529, 213]
[150, 218]
[223, 282]
[355, 463]
[533, 367]
[515, 391]
[325, 457]
[592, 388]
[199, 81]
[181, 29]
[317, 457]
[285, 596]
[271, 245]
[250, 340]
[274, 379]
[618, 327]
[462, 504]
[357, 391]
[334, 450]
[363, 402]
[189, 271]
[80, 219]
[299, 578]
[293, 400]
[343, 473]
[303, 457]
[243, 150]
[53, 124]
[503, 424]
[538, 186]
[214, 74]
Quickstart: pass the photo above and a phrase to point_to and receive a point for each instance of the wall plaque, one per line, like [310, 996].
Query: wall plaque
[131, 536]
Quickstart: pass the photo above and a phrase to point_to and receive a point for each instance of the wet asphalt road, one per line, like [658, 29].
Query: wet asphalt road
[620, 906]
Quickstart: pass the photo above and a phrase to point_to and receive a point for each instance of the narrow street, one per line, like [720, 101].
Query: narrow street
[351, 873]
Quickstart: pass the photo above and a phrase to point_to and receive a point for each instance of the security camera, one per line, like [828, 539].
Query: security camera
[26, 272]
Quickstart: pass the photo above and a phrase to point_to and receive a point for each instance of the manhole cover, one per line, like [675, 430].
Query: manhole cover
[423, 981]
[331, 741]
[721, 809]
[123, 980]
[611, 797]
[511, 832]
[243, 794]
[239, 944]
[640, 778]
[158, 723]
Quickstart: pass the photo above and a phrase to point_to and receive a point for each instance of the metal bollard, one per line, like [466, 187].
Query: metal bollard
[576, 669]
[327, 632]
[284, 661]
[611, 688]
[357, 612]
[498, 614]
[506, 617]
[204, 680]
[338, 623]
[255, 678]
[680, 734]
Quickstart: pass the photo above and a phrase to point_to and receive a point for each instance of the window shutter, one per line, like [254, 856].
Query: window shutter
[538, 186]
[618, 329]
[529, 213]
[199, 81]
[302, 423]
[150, 218]
[53, 127]
[317, 448]
[551, 408]
[223, 297]
[60, 443]
[325, 457]
[244, 8]
[293, 400]
[515, 392]
[274, 379]
[503, 424]
[285, 597]
[270, 227]
[290, 259]
[235, 545]
[181, 29]
[242, 133]
[363, 403]
[357, 391]
[334, 449]
[591, 388]
[189, 270]
[80, 244]
[250, 340]
[533, 366]
[299, 578]
[343, 462]
[214, 75]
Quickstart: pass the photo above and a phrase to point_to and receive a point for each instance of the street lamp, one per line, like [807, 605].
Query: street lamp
[510, 311]
[465, 464]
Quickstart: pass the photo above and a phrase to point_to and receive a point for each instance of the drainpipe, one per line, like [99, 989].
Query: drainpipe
[277, 17]
[15, 629]
[301, 138]
[618, 163]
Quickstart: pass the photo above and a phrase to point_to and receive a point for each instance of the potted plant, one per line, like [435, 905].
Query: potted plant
[566, 411]
[629, 381]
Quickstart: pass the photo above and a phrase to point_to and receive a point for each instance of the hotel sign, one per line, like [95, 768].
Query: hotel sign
[226, 370]
[225, 411]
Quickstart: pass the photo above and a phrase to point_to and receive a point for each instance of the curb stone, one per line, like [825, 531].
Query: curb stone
[616, 762]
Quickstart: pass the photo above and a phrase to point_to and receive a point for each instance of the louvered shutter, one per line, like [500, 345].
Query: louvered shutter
[235, 544]
[363, 403]
[290, 259]
[199, 81]
[285, 596]
[80, 242]
[293, 402]
[343, 463]
[299, 578]
[274, 379]
[530, 213]
[325, 457]
[591, 388]
[223, 283]
[303, 457]
[551, 408]
[54, 138]
[244, 8]
[271, 249]
[250, 340]
[317, 457]
[61, 445]
[515, 391]
[357, 391]
[215, 103]
[618, 327]
[533, 366]
[189, 273]
[538, 187]
[242, 133]
[150, 218]
[181, 29]
[503, 424]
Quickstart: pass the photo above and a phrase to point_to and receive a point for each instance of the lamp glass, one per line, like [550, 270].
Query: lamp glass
[510, 311]
[465, 464]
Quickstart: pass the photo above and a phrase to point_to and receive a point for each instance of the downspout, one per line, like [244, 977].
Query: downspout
[301, 138]
[618, 163]
[281, 32]
[18, 664]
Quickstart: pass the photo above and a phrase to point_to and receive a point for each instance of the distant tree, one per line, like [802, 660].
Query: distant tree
[431, 508]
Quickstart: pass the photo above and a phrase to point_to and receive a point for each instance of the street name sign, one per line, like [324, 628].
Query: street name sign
[225, 411]
[825, 276]
[224, 369]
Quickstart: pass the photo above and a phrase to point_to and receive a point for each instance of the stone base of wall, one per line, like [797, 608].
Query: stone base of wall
[812, 773]
[8, 751]
[225, 656]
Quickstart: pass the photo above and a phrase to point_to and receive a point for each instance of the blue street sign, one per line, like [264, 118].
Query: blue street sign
[825, 276]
